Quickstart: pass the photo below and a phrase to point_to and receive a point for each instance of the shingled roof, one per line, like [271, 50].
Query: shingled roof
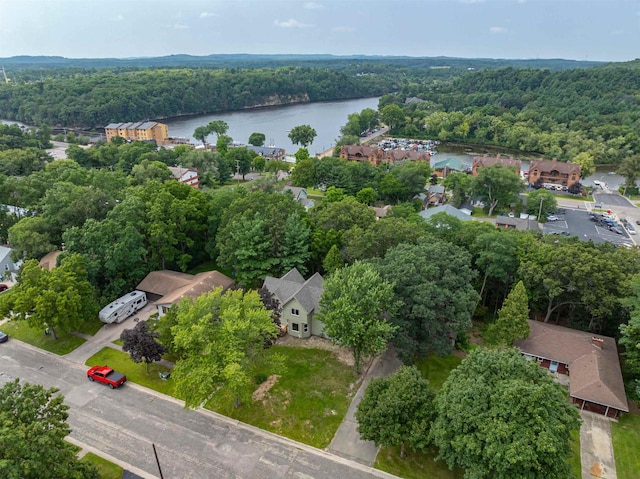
[293, 286]
[595, 372]
[546, 166]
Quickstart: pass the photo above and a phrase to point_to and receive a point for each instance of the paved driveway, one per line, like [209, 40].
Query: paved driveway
[596, 448]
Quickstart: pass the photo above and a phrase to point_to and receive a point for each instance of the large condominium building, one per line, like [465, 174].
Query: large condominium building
[141, 131]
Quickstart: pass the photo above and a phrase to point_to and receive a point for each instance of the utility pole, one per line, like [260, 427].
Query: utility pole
[157, 461]
[540, 209]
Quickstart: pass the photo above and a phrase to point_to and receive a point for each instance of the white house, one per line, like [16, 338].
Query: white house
[188, 176]
[8, 268]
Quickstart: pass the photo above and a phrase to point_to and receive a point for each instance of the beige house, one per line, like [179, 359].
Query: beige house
[299, 300]
[165, 288]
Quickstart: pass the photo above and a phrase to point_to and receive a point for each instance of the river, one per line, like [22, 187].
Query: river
[275, 122]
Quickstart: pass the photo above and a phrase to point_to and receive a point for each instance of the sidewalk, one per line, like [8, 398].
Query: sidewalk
[346, 442]
[596, 447]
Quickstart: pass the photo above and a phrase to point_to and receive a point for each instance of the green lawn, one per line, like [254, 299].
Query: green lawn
[415, 465]
[208, 266]
[135, 373]
[106, 469]
[65, 343]
[436, 369]
[307, 403]
[574, 460]
[626, 446]
[91, 327]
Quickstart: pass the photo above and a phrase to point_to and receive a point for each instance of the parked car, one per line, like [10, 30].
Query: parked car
[106, 375]
[617, 229]
[3, 287]
[552, 218]
[3, 337]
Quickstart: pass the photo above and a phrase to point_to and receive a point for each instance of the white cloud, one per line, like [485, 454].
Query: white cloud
[119, 18]
[291, 23]
[313, 6]
[343, 29]
[522, 1]
[498, 30]
[180, 26]
[208, 15]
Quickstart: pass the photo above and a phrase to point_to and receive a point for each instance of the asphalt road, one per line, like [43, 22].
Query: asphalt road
[124, 423]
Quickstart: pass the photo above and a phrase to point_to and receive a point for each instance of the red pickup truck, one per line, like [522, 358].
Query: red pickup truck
[105, 374]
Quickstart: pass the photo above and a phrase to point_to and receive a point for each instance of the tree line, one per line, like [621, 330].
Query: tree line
[555, 114]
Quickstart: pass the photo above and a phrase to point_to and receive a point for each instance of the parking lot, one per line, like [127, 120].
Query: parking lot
[578, 223]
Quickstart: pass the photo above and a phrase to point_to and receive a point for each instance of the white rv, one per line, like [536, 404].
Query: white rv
[123, 307]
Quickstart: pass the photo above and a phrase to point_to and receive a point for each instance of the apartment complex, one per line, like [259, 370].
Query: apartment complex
[141, 131]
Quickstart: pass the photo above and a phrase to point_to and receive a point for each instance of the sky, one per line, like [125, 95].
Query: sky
[603, 30]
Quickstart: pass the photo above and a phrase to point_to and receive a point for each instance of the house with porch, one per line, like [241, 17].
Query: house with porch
[188, 176]
[299, 300]
[590, 361]
[165, 287]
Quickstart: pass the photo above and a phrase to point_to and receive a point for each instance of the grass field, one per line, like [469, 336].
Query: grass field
[65, 343]
[626, 446]
[437, 369]
[307, 403]
[106, 469]
[135, 373]
[574, 460]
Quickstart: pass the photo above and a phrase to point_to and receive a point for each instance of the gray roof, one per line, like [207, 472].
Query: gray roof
[452, 164]
[436, 189]
[146, 125]
[448, 209]
[293, 286]
[266, 150]
[113, 126]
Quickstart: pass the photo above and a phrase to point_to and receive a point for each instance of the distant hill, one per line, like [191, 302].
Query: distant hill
[242, 60]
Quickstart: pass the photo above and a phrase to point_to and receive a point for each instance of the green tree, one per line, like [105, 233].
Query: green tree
[496, 256]
[497, 186]
[460, 186]
[379, 237]
[499, 416]
[29, 238]
[302, 135]
[141, 344]
[219, 127]
[585, 160]
[201, 133]
[257, 139]
[541, 203]
[629, 169]
[149, 170]
[220, 339]
[333, 261]
[33, 425]
[393, 116]
[367, 196]
[397, 411]
[512, 323]
[61, 298]
[241, 159]
[355, 306]
[434, 281]
[304, 173]
[630, 332]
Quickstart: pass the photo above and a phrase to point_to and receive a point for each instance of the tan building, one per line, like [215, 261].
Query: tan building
[554, 172]
[376, 156]
[141, 131]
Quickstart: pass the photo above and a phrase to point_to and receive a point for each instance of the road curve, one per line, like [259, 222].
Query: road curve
[124, 423]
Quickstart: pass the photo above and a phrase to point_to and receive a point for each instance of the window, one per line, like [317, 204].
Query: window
[554, 367]
[295, 312]
[305, 328]
[295, 326]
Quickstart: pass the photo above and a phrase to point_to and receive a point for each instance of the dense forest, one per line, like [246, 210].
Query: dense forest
[96, 99]
[562, 114]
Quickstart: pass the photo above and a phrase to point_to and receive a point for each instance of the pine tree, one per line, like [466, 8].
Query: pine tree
[512, 318]
[333, 261]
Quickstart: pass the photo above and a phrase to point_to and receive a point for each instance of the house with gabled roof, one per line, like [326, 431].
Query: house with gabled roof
[482, 161]
[188, 176]
[299, 300]
[165, 287]
[554, 172]
[300, 195]
[591, 362]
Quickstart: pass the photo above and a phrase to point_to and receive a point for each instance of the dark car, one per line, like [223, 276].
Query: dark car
[3, 287]
[3, 337]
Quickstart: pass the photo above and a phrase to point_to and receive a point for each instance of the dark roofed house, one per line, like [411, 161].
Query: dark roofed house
[300, 195]
[480, 161]
[591, 361]
[270, 152]
[299, 300]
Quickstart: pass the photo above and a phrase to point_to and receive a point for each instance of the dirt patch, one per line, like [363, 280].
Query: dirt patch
[263, 389]
[342, 354]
